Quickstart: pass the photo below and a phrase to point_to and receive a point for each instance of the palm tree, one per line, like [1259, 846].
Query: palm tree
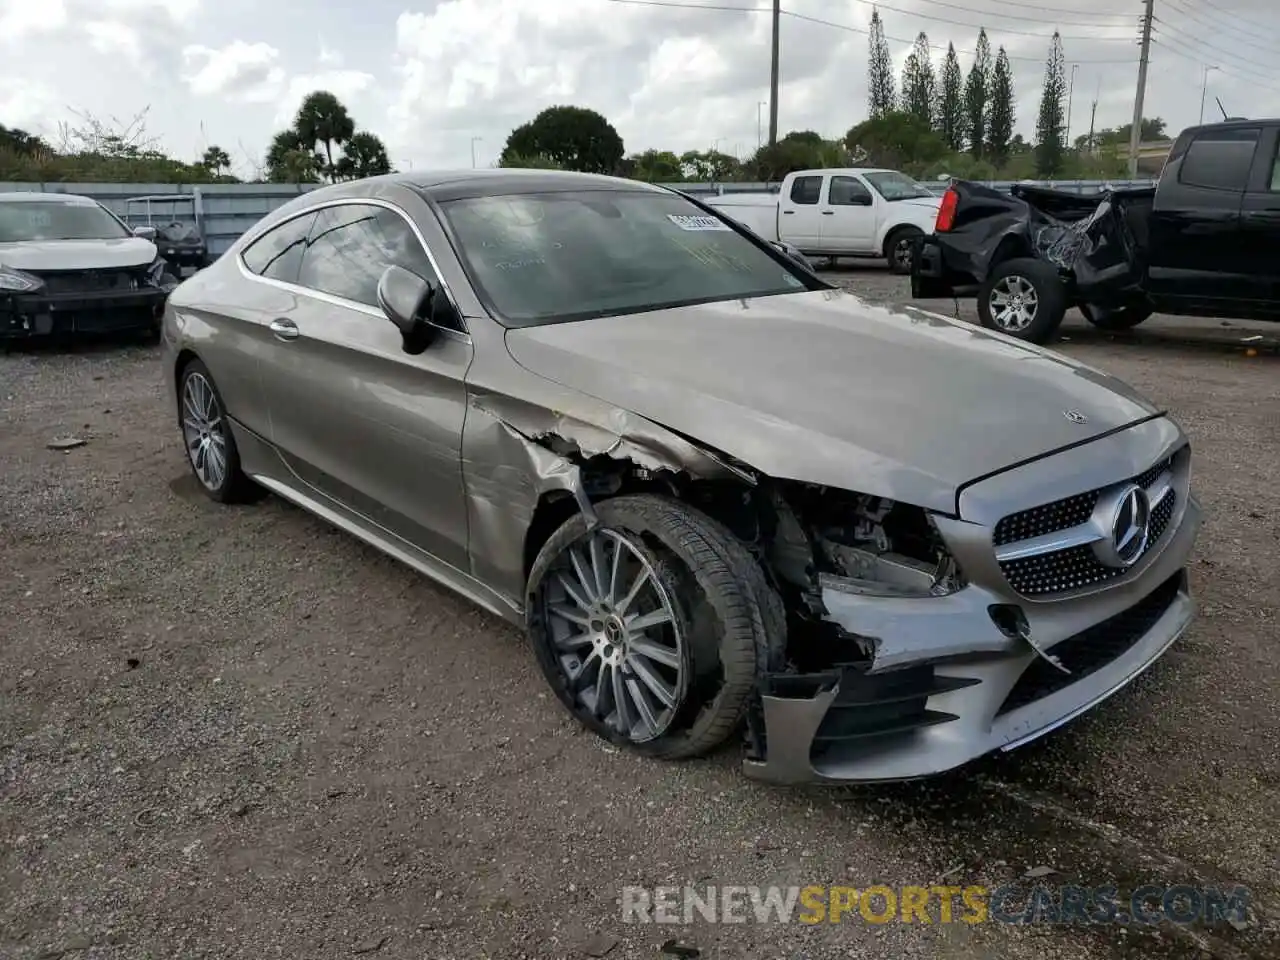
[323, 119]
[215, 160]
[363, 156]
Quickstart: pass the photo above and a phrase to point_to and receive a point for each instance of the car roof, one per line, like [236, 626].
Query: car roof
[28, 196]
[441, 185]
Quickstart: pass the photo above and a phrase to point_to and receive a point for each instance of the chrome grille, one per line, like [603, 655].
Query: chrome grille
[1051, 548]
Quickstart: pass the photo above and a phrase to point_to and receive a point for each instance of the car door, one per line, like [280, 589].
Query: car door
[356, 417]
[799, 221]
[1260, 230]
[1196, 250]
[848, 216]
[244, 339]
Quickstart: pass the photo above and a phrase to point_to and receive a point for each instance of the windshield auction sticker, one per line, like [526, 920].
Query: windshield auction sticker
[698, 223]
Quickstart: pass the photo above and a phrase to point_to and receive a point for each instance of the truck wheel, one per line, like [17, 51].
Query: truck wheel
[1024, 298]
[1123, 318]
[899, 249]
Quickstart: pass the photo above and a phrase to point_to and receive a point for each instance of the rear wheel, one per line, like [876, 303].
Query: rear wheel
[1123, 318]
[653, 627]
[1024, 298]
[899, 249]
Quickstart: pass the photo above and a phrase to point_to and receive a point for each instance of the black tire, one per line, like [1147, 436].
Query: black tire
[234, 486]
[734, 620]
[1123, 318]
[1050, 299]
[899, 249]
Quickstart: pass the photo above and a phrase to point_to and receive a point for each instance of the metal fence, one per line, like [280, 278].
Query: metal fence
[229, 209]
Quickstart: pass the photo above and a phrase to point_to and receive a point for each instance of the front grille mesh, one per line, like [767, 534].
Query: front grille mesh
[90, 281]
[1074, 567]
[1093, 649]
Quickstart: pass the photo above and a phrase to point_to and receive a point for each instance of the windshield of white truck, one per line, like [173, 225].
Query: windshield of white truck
[23, 221]
[553, 257]
[896, 186]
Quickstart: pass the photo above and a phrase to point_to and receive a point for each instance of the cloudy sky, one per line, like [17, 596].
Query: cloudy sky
[435, 79]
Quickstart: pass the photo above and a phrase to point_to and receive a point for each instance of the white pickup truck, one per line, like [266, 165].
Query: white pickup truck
[840, 213]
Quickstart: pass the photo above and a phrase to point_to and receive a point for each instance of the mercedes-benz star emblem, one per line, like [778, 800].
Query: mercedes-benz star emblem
[1130, 526]
[1075, 416]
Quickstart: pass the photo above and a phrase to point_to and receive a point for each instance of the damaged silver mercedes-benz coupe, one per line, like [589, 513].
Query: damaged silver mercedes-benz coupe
[720, 494]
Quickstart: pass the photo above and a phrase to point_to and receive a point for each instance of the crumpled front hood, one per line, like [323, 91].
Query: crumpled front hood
[826, 388]
[40, 255]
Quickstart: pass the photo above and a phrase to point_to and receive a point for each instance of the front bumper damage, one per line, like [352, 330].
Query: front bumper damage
[43, 313]
[951, 680]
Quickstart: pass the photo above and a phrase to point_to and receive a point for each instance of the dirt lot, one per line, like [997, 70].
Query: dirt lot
[237, 733]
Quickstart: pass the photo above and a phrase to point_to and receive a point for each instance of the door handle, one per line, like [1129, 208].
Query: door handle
[284, 329]
[787, 213]
[828, 213]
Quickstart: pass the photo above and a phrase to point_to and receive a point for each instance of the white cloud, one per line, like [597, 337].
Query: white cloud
[240, 70]
[112, 38]
[22, 18]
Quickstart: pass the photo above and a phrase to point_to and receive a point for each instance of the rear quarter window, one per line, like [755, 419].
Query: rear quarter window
[1219, 159]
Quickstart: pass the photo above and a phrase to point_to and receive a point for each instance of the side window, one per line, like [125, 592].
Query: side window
[350, 247]
[1274, 183]
[806, 190]
[277, 254]
[1220, 159]
[849, 192]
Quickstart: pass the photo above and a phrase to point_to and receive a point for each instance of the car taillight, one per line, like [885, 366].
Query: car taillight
[947, 212]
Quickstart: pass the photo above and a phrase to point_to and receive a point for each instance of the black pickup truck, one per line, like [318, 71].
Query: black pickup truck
[1205, 241]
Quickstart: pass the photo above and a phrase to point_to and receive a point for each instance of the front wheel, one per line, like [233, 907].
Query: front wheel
[1024, 298]
[899, 249]
[653, 627]
[1123, 318]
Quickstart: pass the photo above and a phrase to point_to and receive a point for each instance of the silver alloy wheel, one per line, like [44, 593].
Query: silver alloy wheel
[1013, 303]
[614, 631]
[202, 428]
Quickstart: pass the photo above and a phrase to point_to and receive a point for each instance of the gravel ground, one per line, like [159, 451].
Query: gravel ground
[238, 733]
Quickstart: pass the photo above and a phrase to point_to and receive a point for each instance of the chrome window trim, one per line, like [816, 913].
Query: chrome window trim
[337, 301]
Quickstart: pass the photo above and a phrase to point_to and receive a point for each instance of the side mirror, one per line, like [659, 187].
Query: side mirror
[145, 233]
[406, 299]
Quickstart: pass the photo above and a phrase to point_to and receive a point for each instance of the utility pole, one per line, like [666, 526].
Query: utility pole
[1071, 93]
[1204, 90]
[760, 105]
[1093, 113]
[773, 70]
[474, 141]
[1135, 135]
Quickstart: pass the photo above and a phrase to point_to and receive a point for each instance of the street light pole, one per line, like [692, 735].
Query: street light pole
[474, 141]
[1071, 89]
[760, 105]
[773, 74]
[1204, 90]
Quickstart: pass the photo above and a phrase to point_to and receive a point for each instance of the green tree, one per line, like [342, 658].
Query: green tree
[999, 130]
[898, 140]
[882, 98]
[534, 161]
[977, 94]
[1049, 124]
[574, 137]
[798, 150]
[292, 159]
[22, 143]
[708, 165]
[656, 166]
[215, 160]
[364, 155]
[952, 113]
[324, 120]
[919, 87]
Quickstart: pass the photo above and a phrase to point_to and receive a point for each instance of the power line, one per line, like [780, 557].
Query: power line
[1002, 16]
[850, 29]
[1247, 36]
[1185, 52]
[1195, 43]
[1253, 24]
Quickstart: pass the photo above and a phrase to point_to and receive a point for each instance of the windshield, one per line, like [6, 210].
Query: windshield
[25, 220]
[896, 186]
[543, 258]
